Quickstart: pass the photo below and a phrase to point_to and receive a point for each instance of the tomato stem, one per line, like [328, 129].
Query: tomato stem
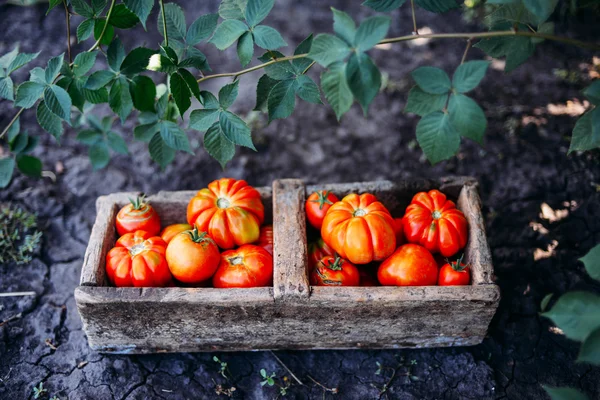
[336, 265]
[138, 202]
[199, 237]
[322, 200]
[237, 260]
[359, 212]
[222, 202]
[458, 265]
[436, 215]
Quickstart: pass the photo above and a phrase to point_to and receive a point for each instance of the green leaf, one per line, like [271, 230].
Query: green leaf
[29, 165]
[116, 143]
[59, 102]
[540, 8]
[52, 4]
[245, 48]
[19, 143]
[48, 121]
[115, 55]
[344, 26]
[218, 146]
[235, 129]
[82, 8]
[281, 70]
[590, 349]
[37, 75]
[191, 82]
[308, 90]
[209, 100]
[174, 136]
[109, 32]
[432, 80]
[99, 79]
[384, 5]
[89, 137]
[327, 49]
[232, 9]
[176, 26]
[119, 98]
[564, 393]
[160, 152]
[13, 131]
[202, 120]
[99, 155]
[98, 6]
[592, 92]
[263, 88]
[423, 103]
[8, 58]
[181, 93]
[85, 29]
[582, 138]
[32, 142]
[545, 301]
[228, 94]
[371, 31]
[147, 118]
[28, 93]
[143, 93]
[268, 38]
[336, 89]
[83, 62]
[577, 314]
[545, 28]
[136, 61]
[196, 59]
[467, 117]
[53, 68]
[364, 79]
[468, 75]
[437, 6]
[141, 8]
[437, 137]
[591, 261]
[517, 49]
[20, 60]
[201, 29]
[513, 13]
[7, 90]
[595, 124]
[257, 11]
[122, 18]
[170, 54]
[7, 166]
[300, 64]
[145, 133]
[282, 100]
[227, 33]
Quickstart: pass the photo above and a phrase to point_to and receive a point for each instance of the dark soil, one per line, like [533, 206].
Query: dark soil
[523, 165]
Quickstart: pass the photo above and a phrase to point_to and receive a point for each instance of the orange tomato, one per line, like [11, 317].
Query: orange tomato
[360, 229]
[138, 216]
[170, 231]
[193, 257]
[317, 250]
[265, 240]
[410, 265]
[138, 259]
[434, 222]
[230, 211]
[334, 271]
[245, 267]
[317, 205]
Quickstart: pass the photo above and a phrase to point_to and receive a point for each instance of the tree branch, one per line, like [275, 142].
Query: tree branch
[414, 18]
[164, 21]
[68, 18]
[108, 14]
[464, 57]
[12, 121]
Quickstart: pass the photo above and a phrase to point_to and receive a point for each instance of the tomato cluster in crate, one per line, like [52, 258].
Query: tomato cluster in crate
[360, 243]
[224, 242]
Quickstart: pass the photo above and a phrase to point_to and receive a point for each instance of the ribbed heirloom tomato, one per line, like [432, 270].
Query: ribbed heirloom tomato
[265, 240]
[138, 259]
[317, 205]
[360, 229]
[334, 271]
[138, 216]
[193, 257]
[410, 265]
[171, 231]
[434, 222]
[454, 274]
[317, 250]
[229, 210]
[245, 267]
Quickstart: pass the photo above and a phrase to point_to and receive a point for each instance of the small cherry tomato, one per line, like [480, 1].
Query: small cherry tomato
[334, 271]
[317, 205]
[410, 265]
[265, 240]
[245, 267]
[454, 274]
[193, 257]
[317, 250]
[170, 231]
[399, 231]
[138, 216]
[138, 259]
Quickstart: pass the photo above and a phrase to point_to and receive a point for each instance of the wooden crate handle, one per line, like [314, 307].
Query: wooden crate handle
[290, 254]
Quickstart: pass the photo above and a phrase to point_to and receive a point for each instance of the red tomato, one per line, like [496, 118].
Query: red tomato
[317, 250]
[170, 231]
[138, 259]
[410, 265]
[434, 222]
[398, 230]
[265, 240]
[454, 274]
[193, 257]
[138, 216]
[230, 211]
[360, 229]
[334, 271]
[317, 206]
[245, 267]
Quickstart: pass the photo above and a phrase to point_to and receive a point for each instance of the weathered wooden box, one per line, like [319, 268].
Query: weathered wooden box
[291, 314]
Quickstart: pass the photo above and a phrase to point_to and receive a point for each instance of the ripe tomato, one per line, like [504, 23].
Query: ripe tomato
[334, 271]
[398, 230]
[245, 267]
[170, 231]
[229, 210]
[360, 229]
[138, 259]
[265, 240]
[317, 205]
[317, 250]
[138, 216]
[454, 274]
[410, 265]
[434, 222]
[193, 257]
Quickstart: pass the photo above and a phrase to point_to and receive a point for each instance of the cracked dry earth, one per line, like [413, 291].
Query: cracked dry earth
[522, 166]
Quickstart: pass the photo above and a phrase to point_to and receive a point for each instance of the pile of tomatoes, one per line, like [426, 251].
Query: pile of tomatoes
[223, 243]
[361, 244]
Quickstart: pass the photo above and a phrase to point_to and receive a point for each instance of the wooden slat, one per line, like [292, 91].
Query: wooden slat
[290, 278]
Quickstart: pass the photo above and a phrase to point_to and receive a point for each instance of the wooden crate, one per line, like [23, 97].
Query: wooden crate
[291, 314]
